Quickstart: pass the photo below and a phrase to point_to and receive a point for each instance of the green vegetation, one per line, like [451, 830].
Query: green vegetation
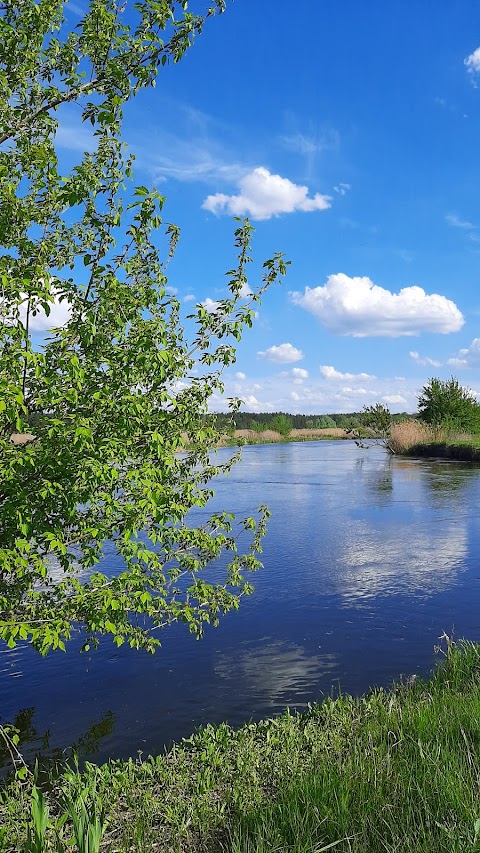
[395, 770]
[446, 404]
[262, 421]
[447, 425]
[111, 396]
[375, 428]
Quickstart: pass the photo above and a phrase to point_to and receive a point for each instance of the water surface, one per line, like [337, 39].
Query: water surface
[368, 559]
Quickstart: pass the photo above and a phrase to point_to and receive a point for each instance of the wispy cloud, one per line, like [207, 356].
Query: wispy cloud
[456, 222]
[76, 8]
[314, 141]
[425, 360]
[201, 148]
[342, 189]
[263, 195]
[467, 357]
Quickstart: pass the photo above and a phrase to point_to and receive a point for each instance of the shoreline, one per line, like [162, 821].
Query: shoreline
[390, 770]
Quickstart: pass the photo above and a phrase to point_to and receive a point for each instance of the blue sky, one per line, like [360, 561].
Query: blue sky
[349, 133]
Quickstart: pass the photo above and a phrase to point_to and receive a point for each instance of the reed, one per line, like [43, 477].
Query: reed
[411, 433]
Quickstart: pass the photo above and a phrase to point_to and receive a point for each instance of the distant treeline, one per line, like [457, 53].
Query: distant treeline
[283, 422]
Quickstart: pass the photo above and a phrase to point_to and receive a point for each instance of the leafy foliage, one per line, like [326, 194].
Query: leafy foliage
[376, 423]
[444, 402]
[114, 403]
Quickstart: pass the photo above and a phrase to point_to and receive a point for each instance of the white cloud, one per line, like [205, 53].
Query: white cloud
[355, 392]
[300, 143]
[473, 62]
[468, 357]
[263, 195]
[329, 372]
[358, 307]
[394, 399]
[251, 404]
[284, 393]
[456, 222]
[321, 140]
[38, 319]
[189, 298]
[76, 8]
[211, 305]
[240, 375]
[75, 137]
[431, 362]
[283, 354]
[299, 374]
[245, 291]
[342, 188]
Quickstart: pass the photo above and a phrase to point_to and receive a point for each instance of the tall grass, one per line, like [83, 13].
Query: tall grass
[411, 433]
[397, 771]
[417, 438]
[408, 780]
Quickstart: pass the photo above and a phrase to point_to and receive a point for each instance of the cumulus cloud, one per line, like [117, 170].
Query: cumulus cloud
[189, 298]
[240, 375]
[358, 307]
[263, 195]
[355, 392]
[394, 399]
[299, 374]
[283, 354]
[211, 305]
[468, 357]
[38, 319]
[473, 62]
[251, 403]
[245, 291]
[329, 372]
[431, 362]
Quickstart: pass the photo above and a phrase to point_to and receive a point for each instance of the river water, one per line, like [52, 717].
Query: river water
[368, 560]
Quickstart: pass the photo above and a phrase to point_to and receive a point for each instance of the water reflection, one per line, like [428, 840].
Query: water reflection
[400, 560]
[278, 672]
[367, 560]
[37, 746]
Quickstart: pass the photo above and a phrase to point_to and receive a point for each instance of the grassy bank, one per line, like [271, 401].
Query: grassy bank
[396, 770]
[414, 438]
[250, 436]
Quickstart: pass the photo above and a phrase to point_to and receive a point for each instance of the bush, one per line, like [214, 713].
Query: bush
[445, 403]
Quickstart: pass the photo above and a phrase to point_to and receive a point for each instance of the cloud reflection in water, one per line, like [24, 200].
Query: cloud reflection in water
[279, 673]
[406, 560]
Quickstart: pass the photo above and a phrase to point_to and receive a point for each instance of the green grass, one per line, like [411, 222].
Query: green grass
[396, 771]
[467, 450]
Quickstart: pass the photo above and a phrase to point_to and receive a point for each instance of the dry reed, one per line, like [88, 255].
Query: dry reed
[410, 433]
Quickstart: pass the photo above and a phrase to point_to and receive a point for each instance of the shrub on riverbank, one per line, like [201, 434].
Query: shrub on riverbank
[415, 438]
[395, 770]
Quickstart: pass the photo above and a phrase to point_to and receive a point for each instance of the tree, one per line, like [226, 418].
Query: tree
[444, 402]
[376, 422]
[114, 402]
[281, 423]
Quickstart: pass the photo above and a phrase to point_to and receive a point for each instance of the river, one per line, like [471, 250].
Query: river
[368, 560]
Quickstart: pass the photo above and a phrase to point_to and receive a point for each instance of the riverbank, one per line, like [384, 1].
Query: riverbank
[394, 770]
[250, 436]
[461, 451]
